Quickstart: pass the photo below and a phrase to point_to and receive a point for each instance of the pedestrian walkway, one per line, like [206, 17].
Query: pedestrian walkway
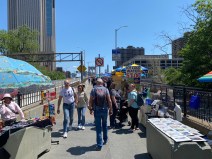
[80, 144]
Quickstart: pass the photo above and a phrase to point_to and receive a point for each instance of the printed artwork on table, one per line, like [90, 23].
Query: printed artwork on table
[196, 138]
[180, 138]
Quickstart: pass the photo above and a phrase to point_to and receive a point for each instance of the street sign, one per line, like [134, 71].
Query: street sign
[81, 68]
[99, 61]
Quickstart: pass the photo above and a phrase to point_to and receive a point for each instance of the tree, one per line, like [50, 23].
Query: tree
[197, 53]
[54, 75]
[172, 76]
[3, 41]
[20, 40]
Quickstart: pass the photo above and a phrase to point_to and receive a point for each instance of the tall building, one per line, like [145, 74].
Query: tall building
[38, 15]
[154, 63]
[128, 53]
[177, 46]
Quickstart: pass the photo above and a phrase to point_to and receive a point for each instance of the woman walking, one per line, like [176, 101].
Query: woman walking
[133, 107]
[81, 106]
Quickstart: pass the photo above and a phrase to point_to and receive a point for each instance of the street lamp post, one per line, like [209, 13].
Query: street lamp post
[116, 31]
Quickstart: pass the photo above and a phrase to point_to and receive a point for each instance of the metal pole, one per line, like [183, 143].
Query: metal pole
[116, 39]
[184, 102]
[81, 63]
[84, 61]
[99, 67]
[116, 32]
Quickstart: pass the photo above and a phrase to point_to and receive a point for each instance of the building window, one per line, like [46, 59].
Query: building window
[49, 6]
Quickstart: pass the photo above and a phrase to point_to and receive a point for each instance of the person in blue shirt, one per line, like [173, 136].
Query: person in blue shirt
[133, 107]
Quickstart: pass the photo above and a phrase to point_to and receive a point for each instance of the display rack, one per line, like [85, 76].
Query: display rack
[50, 110]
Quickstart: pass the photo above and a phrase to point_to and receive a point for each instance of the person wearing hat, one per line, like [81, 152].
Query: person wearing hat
[9, 109]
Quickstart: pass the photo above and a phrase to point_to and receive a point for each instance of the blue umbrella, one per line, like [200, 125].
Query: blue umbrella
[123, 70]
[18, 74]
[107, 75]
[118, 69]
[144, 68]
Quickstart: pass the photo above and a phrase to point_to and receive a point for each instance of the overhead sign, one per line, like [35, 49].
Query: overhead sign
[81, 68]
[133, 74]
[116, 55]
[99, 61]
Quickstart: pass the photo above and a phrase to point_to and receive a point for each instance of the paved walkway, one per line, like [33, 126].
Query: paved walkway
[80, 144]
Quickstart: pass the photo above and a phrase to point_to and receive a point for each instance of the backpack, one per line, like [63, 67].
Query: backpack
[139, 99]
[100, 96]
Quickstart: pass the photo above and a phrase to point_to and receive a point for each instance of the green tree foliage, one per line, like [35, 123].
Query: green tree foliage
[172, 76]
[20, 40]
[197, 53]
[54, 75]
[3, 41]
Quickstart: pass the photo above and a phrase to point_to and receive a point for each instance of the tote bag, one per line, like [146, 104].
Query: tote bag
[194, 102]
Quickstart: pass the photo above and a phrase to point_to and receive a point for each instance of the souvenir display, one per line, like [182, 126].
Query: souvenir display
[176, 130]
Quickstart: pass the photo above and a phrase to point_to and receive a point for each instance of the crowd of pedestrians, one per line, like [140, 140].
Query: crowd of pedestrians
[104, 102]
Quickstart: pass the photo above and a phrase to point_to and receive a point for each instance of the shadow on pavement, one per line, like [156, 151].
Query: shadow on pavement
[142, 134]
[143, 156]
[78, 150]
[122, 131]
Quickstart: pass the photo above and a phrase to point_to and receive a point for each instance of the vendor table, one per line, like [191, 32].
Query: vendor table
[160, 146]
[27, 142]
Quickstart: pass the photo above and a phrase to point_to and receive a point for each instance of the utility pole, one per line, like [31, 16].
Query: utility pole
[81, 64]
[99, 67]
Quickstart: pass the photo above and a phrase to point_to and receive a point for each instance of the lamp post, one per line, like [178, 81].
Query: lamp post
[116, 31]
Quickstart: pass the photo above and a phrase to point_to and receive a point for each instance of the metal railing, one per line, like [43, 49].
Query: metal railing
[24, 100]
[182, 95]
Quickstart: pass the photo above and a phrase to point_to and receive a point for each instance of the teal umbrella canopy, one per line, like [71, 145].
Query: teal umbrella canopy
[18, 74]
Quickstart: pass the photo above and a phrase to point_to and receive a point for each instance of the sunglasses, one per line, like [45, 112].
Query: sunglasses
[66, 83]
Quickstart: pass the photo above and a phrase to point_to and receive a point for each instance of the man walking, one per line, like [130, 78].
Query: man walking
[69, 101]
[99, 103]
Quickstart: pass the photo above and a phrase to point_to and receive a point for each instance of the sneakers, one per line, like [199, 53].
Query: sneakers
[65, 135]
[83, 128]
[98, 148]
[105, 143]
[79, 127]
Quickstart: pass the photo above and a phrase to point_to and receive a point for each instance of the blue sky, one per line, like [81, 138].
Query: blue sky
[90, 25]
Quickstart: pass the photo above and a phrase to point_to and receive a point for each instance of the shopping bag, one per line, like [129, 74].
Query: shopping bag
[194, 102]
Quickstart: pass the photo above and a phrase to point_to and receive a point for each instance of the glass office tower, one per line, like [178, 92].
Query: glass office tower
[38, 15]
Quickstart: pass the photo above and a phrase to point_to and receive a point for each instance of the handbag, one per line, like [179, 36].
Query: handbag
[194, 102]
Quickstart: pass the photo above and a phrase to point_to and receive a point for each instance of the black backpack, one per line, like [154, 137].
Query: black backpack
[100, 96]
[139, 99]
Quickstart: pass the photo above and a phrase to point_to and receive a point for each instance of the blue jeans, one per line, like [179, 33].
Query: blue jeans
[101, 124]
[81, 115]
[68, 110]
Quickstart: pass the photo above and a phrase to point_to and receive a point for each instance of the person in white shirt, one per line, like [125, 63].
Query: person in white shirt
[9, 109]
[69, 100]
